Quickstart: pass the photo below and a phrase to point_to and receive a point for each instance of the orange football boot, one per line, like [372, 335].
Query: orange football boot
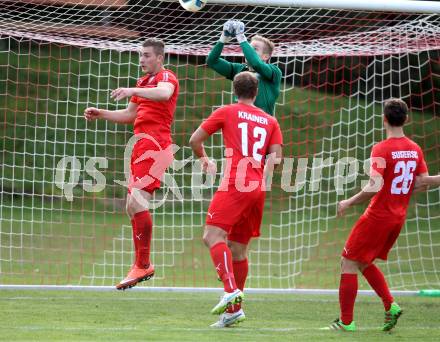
[135, 276]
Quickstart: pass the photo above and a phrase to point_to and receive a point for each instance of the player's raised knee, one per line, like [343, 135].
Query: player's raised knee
[213, 235]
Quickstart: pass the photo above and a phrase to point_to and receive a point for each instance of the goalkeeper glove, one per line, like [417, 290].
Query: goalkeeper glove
[228, 31]
[239, 31]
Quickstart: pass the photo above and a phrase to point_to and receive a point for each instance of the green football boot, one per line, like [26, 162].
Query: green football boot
[338, 325]
[391, 317]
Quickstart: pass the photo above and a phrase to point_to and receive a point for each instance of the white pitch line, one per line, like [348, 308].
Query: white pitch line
[196, 290]
[41, 298]
[99, 299]
[236, 329]
[241, 328]
[38, 328]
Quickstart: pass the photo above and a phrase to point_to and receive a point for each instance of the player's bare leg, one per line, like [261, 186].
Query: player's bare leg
[137, 209]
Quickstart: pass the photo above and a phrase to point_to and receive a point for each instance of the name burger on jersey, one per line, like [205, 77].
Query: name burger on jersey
[252, 117]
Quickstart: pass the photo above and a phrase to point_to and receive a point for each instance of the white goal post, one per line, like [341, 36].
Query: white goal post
[404, 6]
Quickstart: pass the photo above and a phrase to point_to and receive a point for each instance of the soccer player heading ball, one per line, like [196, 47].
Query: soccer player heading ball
[253, 143]
[257, 55]
[397, 167]
[151, 110]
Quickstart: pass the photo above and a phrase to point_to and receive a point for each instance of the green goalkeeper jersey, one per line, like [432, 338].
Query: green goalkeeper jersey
[269, 75]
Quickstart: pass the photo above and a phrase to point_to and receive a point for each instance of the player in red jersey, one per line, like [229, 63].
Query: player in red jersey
[151, 110]
[253, 143]
[395, 164]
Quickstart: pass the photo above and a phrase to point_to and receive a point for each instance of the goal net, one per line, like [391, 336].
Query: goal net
[62, 193]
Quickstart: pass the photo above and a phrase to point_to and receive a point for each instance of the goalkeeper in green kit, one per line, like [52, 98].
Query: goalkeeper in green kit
[257, 55]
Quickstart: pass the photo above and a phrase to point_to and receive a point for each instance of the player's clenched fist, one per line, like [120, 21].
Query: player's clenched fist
[342, 206]
[239, 29]
[228, 31]
[209, 167]
[92, 113]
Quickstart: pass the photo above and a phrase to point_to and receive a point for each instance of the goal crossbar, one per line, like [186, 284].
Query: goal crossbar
[364, 5]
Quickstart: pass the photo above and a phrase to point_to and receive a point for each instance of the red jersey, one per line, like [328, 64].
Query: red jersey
[155, 117]
[402, 161]
[247, 134]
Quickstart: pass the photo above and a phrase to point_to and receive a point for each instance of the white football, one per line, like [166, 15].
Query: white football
[193, 5]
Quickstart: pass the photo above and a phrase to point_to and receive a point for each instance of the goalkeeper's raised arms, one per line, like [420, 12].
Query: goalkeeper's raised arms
[239, 29]
[233, 28]
[228, 32]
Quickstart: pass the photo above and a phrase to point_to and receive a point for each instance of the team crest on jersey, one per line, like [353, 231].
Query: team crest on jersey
[151, 79]
[146, 81]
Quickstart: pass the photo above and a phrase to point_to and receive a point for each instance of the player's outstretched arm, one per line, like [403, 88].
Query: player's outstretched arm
[432, 180]
[425, 180]
[196, 143]
[124, 116]
[162, 92]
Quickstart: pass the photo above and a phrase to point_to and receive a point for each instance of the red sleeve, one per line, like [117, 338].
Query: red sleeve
[276, 138]
[214, 122]
[421, 167]
[378, 160]
[167, 76]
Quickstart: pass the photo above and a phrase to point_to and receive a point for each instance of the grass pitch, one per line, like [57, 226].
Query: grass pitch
[29, 315]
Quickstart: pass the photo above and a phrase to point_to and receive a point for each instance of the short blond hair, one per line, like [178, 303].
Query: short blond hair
[270, 46]
[157, 44]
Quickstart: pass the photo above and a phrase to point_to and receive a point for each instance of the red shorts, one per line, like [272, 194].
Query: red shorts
[238, 213]
[371, 239]
[149, 161]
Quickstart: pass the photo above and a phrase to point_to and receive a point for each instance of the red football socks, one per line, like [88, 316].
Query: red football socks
[240, 273]
[347, 295]
[142, 230]
[222, 259]
[377, 281]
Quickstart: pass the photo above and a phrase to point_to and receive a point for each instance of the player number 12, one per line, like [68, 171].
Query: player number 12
[259, 133]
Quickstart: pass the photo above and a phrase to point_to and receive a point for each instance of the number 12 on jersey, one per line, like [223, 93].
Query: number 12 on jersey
[259, 133]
